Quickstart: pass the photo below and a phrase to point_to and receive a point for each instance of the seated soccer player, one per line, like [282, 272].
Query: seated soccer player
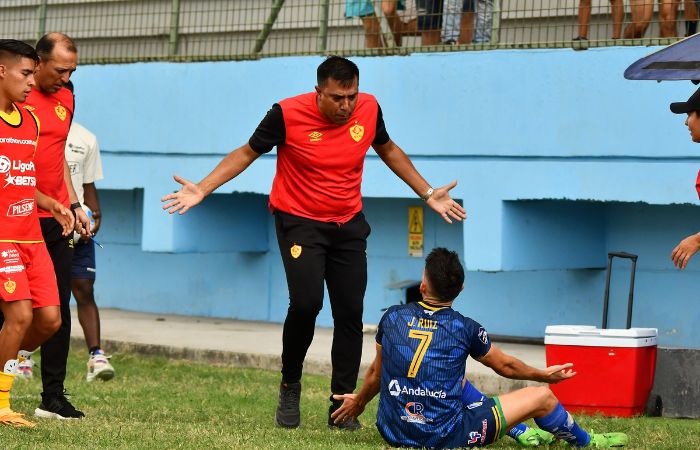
[28, 293]
[422, 349]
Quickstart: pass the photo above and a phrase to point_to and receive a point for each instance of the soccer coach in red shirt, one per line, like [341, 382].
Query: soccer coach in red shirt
[321, 138]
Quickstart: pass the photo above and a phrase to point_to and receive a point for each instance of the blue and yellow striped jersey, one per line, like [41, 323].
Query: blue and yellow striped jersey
[424, 355]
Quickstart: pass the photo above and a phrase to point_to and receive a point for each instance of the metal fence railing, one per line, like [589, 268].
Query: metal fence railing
[183, 30]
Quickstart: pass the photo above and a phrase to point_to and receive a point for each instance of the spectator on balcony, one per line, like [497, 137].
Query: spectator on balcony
[429, 21]
[458, 18]
[690, 16]
[584, 17]
[484, 21]
[642, 11]
[400, 14]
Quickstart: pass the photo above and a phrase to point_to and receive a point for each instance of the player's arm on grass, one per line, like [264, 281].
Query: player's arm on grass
[354, 404]
[59, 212]
[511, 367]
[82, 223]
[685, 250]
[192, 194]
[399, 163]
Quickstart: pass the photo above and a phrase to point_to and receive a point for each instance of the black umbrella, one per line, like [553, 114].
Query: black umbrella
[678, 61]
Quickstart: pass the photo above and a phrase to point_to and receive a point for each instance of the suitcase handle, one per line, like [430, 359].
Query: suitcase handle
[630, 299]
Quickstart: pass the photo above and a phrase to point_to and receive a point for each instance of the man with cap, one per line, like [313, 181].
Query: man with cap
[690, 245]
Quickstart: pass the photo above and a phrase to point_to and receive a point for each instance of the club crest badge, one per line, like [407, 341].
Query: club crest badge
[295, 251]
[61, 112]
[10, 286]
[357, 132]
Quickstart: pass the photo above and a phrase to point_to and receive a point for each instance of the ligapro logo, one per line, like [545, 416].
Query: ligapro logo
[5, 164]
[395, 389]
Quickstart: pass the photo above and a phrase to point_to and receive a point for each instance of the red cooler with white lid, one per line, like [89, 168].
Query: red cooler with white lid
[614, 368]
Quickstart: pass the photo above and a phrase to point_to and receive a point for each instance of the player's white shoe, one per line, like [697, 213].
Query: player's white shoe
[98, 366]
[25, 366]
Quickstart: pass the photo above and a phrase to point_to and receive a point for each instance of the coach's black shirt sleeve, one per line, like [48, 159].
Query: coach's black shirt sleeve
[270, 133]
[382, 136]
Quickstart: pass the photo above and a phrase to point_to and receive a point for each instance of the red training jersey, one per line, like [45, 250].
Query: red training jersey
[18, 142]
[55, 112]
[319, 166]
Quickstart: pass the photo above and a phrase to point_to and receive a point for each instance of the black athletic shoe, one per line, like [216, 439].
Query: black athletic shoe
[287, 414]
[57, 406]
[351, 424]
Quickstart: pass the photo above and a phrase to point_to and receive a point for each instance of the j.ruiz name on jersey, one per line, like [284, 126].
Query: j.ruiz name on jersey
[425, 324]
[21, 208]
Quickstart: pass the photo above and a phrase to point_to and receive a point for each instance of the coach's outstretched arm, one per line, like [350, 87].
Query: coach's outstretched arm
[438, 199]
[511, 367]
[192, 194]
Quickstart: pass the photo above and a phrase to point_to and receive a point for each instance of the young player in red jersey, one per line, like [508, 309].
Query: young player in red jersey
[321, 138]
[28, 295]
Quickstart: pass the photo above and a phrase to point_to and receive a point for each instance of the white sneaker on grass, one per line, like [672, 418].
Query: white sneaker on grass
[98, 366]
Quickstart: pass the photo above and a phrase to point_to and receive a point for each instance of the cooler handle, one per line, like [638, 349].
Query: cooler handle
[630, 299]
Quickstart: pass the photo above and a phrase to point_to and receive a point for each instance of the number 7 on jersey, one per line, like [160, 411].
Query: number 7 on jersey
[425, 338]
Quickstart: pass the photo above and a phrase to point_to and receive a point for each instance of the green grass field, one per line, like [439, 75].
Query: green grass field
[154, 403]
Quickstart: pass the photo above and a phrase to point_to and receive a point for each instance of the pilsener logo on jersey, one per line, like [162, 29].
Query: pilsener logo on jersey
[21, 208]
[395, 389]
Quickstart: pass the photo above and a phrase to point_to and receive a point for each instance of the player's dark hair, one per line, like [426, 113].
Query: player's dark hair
[46, 44]
[445, 273]
[17, 49]
[342, 70]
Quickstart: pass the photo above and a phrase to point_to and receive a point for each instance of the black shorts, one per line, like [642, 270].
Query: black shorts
[83, 266]
[484, 424]
[429, 14]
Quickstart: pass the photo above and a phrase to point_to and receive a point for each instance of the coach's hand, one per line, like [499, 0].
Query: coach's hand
[351, 408]
[442, 203]
[685, 250]
[181, 201]
[557, 373]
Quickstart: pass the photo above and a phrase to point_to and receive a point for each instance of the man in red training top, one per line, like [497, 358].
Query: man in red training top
[28, 295]
[321, 138]
[53, 104]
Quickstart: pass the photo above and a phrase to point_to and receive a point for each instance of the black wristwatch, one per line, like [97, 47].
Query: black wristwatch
[74, 206]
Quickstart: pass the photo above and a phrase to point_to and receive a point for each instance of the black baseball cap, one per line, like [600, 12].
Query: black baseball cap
[693, 104]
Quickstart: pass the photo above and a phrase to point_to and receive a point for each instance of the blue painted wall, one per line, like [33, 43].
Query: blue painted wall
[559, 161]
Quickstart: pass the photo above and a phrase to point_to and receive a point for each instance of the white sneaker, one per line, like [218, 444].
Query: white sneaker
[99, 367]
[25, 368]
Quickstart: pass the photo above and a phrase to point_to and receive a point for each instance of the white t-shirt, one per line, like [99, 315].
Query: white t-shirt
[83, 158]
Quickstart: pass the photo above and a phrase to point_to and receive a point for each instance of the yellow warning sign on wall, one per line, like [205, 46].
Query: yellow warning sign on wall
[415, 231]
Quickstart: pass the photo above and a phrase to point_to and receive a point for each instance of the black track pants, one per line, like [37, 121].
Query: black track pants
[54, 352]
[312, 252]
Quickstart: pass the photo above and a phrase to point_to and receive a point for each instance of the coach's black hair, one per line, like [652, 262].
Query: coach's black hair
[46, 44]
[445, 273]
[340, 69]
[17, 49]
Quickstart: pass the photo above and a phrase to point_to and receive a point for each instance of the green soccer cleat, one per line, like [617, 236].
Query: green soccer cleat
[534, 437]
[608, 440]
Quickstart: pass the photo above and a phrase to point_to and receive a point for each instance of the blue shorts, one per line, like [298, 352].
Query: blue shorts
[364, 8]
[83, 266]
[483, 424]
